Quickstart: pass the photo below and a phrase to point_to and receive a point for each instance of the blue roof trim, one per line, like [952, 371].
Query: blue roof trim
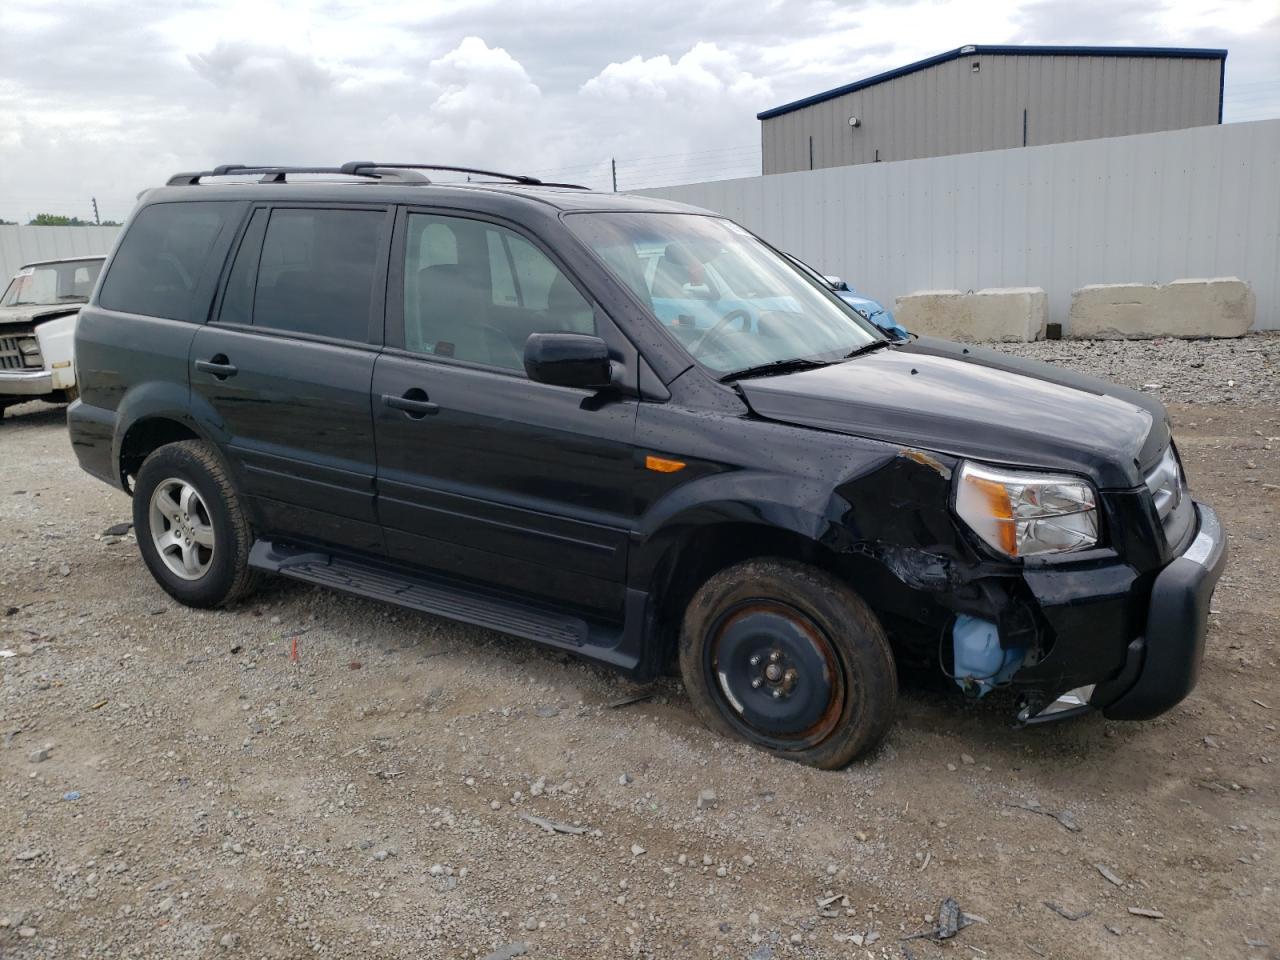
[1176, 53]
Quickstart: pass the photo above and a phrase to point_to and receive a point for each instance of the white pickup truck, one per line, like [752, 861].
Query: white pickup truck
[37, 329]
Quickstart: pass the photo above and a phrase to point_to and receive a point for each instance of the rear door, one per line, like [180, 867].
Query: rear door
[483, 473]
[285, 368]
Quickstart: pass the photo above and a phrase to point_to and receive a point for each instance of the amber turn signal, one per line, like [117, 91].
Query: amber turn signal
[663, 465]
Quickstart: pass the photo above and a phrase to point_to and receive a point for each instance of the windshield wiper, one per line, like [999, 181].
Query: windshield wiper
[867, 348]
[776, 366]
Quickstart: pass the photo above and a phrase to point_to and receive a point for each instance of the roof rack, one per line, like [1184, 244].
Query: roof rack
[364, 169]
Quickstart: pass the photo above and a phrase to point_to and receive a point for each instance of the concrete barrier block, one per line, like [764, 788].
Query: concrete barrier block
[998, 313]
[1217, 307]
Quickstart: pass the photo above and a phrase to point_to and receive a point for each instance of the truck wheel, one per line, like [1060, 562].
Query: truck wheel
[191, 529]
[787, 657]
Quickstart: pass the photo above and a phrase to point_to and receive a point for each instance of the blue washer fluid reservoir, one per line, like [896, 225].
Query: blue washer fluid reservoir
[981, 663]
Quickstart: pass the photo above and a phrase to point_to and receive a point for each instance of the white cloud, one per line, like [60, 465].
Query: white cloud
[684, 117]
[106, 97]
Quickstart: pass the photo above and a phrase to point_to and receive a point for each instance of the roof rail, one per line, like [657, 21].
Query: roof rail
[280, 174]
[364, 169]
[357, 167]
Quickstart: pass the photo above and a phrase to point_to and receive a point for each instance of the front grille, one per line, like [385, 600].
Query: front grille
[20, 352]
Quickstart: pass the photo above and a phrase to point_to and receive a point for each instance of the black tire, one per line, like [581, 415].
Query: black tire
[789, 658]
[226, 576]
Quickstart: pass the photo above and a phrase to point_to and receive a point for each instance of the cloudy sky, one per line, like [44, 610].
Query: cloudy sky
[105, 97]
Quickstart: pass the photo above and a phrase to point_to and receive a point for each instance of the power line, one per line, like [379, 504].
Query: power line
[662, 159]
[698, 153]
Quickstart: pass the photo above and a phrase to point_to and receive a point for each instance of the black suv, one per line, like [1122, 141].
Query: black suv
[632, 430]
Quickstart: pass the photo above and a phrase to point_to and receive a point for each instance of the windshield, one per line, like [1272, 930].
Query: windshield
[48, 284]
[731, 302]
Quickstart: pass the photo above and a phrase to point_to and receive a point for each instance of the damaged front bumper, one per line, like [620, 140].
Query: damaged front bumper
[1158, 669]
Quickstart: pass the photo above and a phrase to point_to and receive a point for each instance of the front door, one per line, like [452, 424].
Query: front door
[286, 366]
[482, 473]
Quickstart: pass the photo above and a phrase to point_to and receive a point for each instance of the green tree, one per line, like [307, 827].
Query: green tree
[8, 223]
[56, 220]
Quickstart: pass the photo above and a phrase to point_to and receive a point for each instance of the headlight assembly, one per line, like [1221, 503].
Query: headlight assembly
[1027, 514]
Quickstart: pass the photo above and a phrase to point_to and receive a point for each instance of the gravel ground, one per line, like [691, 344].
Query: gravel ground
[1244, 371]
[173, 784]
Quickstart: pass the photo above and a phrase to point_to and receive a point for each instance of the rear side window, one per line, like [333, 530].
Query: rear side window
[316, 272]
[161, 259]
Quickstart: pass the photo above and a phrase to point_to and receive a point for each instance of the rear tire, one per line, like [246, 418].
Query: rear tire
[192, 531]
[790, 659]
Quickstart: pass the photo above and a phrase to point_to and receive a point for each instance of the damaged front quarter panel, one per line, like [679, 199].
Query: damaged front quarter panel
[899, 516]
[973, 615]
[917, 568]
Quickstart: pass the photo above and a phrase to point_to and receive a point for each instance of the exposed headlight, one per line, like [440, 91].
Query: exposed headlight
[29, 347]
[1024, 514]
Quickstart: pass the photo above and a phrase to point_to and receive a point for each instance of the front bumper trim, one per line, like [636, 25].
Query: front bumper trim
[1073, 703]
[25, 383]
[1177, 621]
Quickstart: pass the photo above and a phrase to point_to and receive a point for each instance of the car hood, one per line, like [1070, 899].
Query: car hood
[972, 402]
[33, 313]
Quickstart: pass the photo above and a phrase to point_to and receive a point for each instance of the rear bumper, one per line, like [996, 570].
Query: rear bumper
[25, 383]
[92, 430]
[1165, 663]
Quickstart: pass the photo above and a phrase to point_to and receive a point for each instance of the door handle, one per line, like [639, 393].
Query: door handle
[414, 403]
[218, 365]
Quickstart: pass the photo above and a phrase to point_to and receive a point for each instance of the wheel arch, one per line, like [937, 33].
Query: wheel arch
[143, 438]
[150, 416]
[696, 547]
[853, 532]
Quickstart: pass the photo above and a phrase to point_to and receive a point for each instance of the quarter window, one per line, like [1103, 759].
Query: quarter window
[476, 291]
[316, 272]
[162, 258]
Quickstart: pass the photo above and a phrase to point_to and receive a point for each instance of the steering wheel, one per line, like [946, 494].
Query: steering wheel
[719, 328]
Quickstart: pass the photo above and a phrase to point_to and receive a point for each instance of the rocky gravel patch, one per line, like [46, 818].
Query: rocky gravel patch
[1243, 371]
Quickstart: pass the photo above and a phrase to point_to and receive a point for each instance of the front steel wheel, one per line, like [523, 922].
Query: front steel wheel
[791, 659]
[778, 674]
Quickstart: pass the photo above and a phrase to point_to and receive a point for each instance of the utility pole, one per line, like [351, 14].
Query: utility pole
[96, 219]
[614, 165]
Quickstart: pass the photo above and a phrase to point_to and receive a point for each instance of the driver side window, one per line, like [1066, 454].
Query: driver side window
[475, 291]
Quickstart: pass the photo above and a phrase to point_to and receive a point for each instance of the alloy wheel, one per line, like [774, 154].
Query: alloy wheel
[182, 529]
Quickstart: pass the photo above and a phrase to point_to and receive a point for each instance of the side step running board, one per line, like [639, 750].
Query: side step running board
[443, 598]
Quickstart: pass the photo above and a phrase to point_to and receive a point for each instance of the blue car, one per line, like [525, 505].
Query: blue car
[870, 309]
[700, 295]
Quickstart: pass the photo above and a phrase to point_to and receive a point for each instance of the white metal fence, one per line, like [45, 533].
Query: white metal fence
[19, 245]
[1203, 202]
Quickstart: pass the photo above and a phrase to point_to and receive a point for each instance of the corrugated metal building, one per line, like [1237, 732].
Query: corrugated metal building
[992, 97]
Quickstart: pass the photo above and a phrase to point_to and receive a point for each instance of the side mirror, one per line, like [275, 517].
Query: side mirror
[567, 360]
[836, 283]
